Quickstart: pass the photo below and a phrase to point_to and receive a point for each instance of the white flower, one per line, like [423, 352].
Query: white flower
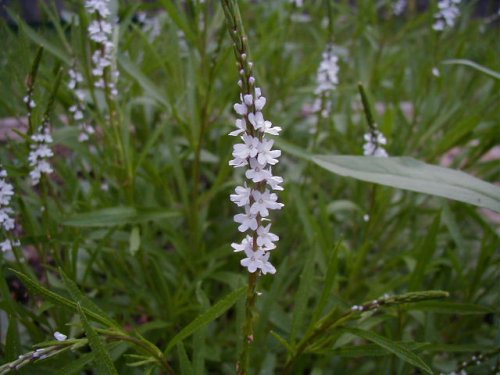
[373, 145]
[98, 6]
[399, 7]
[257, 260]
[256, 119]
[266, 239]
[246, 244]
[436, 72]
[247, 149]
[39, 153]
[275, 182]
[59, 336]
[266, 155]
[257, 173]
[6, 246]
[242, 196]
[298, 3]
[260, 102]
[6, 192]
[6, 221]
[263, 202]
[241, 109]
[327, 75]
[255, 151]
[246, 220]
[268, 128]
[447, 14]
[241, 127]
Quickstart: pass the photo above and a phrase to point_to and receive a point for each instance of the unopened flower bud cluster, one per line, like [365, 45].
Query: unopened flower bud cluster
[101, 31]
[256, 196]
[326, 81]
[77, 110]
[7, 222]
[447, 14]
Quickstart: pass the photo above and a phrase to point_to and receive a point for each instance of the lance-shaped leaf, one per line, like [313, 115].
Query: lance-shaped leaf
[392, 346]
[411, 174]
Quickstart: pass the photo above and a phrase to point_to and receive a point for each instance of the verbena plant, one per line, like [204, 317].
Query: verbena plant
[117, 189]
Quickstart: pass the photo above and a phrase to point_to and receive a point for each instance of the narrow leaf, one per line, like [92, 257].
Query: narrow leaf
[114, 216]
[185, 364]
[452, 308]
[473, 65]
[211, 314]
[399, 350]
[58, 299]
[82, 299]
[147, 85]
[102, 359]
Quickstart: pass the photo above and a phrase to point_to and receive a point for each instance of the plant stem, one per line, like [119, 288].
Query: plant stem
[248, 338]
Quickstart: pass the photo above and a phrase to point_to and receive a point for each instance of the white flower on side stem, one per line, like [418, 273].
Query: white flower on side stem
[59, 336]
[7, 222]
[399, 7]
[447, 14]
[100, 31]
[326, 82]
[77, 110]
[39, 154]
[374, 142]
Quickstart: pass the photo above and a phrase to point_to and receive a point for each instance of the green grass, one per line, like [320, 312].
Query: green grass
[143, 273]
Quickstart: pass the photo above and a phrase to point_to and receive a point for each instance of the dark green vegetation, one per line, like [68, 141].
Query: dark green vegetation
[128, 243]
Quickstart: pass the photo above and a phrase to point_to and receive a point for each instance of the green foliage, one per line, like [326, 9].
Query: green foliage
[126, 246]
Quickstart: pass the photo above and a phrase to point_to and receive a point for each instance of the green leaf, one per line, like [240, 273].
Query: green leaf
[211, 314]
[147, 85]
[396, 348]
[472, 64]
[82, 299]
[114, 216]
[76, 365]
[12, 342]
[411, 174]
[424, 254]
[102, 359]
[58, 299]
[185, 364]
[41, 41]
[283, 342]
[368, 350]
[452, 308]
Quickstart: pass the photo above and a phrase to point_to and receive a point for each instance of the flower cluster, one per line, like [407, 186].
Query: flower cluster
[256, 197]
[6, 221]
[77, 110]
[326, 81]
[399, 7]
[447, 14]
[100, 31]
[374, 141]
[40, 151]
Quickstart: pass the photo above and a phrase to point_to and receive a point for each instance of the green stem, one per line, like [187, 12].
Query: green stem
[248, 337]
